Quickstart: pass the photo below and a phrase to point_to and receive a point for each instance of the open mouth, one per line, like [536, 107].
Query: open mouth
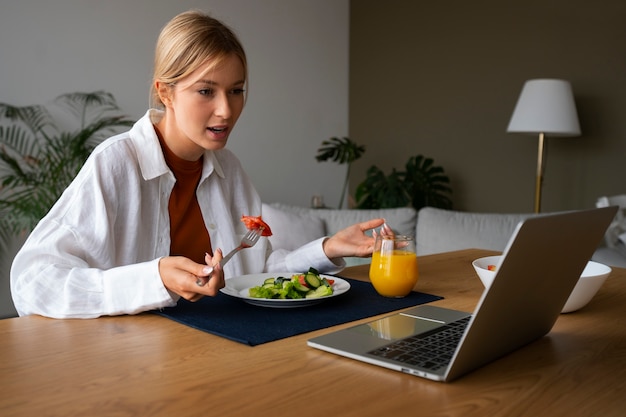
[217, 129]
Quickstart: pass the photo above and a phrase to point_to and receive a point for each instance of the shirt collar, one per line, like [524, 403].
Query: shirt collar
[150, 156]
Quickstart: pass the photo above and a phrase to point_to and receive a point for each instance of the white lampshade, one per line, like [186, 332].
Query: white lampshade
[545, 106]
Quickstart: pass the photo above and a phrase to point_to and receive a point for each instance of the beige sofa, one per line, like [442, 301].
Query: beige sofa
[436, 230]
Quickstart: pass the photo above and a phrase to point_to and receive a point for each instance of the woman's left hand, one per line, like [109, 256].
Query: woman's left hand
[352, 241]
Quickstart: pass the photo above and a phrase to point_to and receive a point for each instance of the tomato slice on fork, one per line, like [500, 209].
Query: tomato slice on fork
[256, 222]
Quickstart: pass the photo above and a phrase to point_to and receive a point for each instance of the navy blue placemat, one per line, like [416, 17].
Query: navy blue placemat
[237, 320]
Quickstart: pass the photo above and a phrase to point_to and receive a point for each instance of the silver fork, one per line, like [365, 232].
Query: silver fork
[250, 239]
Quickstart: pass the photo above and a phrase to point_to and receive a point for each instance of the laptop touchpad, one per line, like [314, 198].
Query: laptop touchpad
[397, 326]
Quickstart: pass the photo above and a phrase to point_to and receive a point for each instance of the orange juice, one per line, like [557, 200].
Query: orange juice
[394, 274]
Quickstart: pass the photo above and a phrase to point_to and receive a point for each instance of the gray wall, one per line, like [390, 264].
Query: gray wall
[442, 79]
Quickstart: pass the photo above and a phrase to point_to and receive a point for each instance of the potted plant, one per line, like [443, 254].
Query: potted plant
[421, 184]
[38, 158]
[342, 151]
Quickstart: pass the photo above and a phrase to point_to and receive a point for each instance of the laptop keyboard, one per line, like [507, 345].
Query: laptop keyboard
[431, 350]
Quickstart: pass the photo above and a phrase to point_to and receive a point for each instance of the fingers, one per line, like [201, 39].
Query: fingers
[195, 297]
[216, 281]
[371, 224]
[189, 279]
[386, 230]
[216, 258]
[352, 241]
[208, 271]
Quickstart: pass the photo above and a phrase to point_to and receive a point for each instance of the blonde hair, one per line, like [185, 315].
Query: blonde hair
[188, 41]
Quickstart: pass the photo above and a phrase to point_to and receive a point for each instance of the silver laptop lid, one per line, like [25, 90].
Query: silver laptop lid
[541, 265]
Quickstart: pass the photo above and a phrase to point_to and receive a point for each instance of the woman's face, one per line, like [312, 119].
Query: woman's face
[202, 109]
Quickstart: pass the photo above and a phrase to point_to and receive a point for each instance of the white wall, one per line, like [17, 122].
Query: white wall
[298, 93]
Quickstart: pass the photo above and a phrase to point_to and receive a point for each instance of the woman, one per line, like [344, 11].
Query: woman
[149, 211]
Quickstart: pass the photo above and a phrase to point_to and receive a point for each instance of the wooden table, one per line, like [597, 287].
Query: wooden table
[147, 365]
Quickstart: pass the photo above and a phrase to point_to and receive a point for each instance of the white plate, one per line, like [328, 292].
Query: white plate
[238, 287]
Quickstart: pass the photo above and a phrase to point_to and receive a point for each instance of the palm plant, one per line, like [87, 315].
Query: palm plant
[342, 151]
[38, 159]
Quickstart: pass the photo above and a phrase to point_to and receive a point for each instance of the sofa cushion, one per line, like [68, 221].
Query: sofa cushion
[293, 226]
[402, 219]
[441, 230]
[291, 230]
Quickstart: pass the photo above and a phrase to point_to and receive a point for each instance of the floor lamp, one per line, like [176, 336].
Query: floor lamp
[545, 107]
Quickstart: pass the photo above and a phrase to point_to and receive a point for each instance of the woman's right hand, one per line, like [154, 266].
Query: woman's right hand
[180, 275]
[352, 241]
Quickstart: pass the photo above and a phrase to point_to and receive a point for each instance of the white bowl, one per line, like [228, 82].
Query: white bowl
[590, 281]
[481, 264]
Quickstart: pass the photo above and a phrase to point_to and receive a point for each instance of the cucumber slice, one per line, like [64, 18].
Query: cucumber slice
[268, 281]
[299, 287]
[322, 291]
[312, 280]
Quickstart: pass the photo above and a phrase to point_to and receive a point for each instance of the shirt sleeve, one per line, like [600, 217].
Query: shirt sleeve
[307, 256]
[97, 250]
[59, 283]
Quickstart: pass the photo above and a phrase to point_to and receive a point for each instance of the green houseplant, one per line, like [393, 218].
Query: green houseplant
[342, 151]
[38, 158]
[421, 184]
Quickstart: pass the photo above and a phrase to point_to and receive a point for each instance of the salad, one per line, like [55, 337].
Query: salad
[306, 285]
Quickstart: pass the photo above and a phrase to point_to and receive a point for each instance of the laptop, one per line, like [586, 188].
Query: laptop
[540, 266]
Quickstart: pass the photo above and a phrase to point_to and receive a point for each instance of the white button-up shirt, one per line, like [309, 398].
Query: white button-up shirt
[97, 251]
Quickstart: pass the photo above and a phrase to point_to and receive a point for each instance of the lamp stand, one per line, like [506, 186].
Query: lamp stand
[539, 179]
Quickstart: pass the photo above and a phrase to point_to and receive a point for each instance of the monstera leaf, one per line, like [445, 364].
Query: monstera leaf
[382, 191]
[422, 184]
[427, 184]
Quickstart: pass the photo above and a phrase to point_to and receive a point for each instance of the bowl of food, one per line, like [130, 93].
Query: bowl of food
[486, 268]
[590, 281]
